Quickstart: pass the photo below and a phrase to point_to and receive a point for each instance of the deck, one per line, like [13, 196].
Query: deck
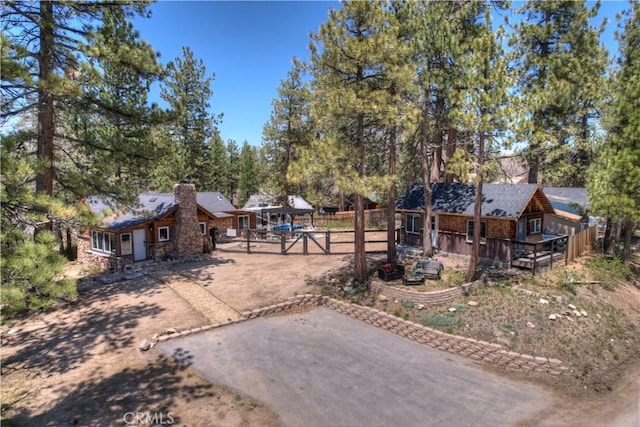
[544, 253]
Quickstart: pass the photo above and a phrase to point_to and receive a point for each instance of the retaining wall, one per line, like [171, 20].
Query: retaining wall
[462, 346]
[426, 298]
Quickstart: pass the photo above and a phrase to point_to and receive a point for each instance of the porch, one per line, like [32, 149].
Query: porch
[544, 253]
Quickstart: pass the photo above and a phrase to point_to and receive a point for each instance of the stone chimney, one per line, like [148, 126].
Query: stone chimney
[188, 238]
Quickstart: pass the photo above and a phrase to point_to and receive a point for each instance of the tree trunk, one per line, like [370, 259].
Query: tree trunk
[477, 213]
[44, 178]
[391, 199]
[608, 240]
[427, 247]
[360, 262]
[629, 226]
[452, 135]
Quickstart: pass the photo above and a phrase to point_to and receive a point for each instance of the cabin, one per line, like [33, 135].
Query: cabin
[571, 205]
[512, 220]
[159, 227]
[270, 212]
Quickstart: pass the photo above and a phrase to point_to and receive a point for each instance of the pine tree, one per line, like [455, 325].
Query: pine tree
[561, 66]
[287, 130]
[221, 170]
[614, 179]
[481, 107]
[347, 57]
[248, 172]
[187, 90]
[65, 51]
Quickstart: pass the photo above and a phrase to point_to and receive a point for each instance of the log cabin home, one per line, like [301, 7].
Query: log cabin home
[512, 221]
[161, 226]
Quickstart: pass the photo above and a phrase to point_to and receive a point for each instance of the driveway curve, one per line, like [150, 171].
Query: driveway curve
[321, 368]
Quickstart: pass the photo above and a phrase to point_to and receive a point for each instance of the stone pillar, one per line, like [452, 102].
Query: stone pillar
[188, 239]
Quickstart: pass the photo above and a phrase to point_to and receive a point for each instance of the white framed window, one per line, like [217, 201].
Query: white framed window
[483, 231]
[414, 223]
[125, 244]
[203, 228]
[243, 222]
[535, 226]
[163, 234]
[103, 242]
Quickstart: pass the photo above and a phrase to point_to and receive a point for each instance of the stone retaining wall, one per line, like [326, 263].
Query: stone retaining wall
[426, 298]
[462, 346]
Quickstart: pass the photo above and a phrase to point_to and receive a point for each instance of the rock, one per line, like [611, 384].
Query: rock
[571, 306]
[420, 306]
[382, 298]
[452, 309]
[570, 319]
[472, 303]
[144, 345]
[11, 331]
[154, 337]
[531, 325]
[134, 275]
[584, 313]
[553, 317]
[599, 317]
[543, 301]
[576, 313]
[558, 299]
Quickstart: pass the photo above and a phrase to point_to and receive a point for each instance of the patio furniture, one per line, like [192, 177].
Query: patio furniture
[425, 268]
[390, 271]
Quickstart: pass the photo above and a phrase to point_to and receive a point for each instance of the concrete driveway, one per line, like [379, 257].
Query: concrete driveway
[322, 368]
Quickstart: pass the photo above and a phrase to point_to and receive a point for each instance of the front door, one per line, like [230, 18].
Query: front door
[522, 229]
[139, 244]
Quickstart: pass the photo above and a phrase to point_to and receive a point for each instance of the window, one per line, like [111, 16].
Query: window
[483, 231]
[203, 228]
[243, 222]
[535, 226]
[163, 234]
[125, 244]
[103, 242]
[414, 223]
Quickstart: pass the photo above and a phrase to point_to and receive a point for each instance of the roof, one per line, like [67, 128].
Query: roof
[214, 201]
[573, 200]
[498, 200]
[266, 201]
[150, 206]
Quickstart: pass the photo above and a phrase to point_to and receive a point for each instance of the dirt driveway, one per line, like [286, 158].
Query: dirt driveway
[80, 364]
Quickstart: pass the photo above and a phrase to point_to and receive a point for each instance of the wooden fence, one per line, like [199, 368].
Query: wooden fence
[579, 243]
[372, 218]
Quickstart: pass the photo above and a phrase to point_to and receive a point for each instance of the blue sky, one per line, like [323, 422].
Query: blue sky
[249, 46]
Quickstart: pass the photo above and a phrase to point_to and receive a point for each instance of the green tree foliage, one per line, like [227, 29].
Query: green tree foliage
[187, 90]
[481, 107]
[288, 129]
[614, 179]
[221, 166]
[248, 172]
[347, 57]
[561, 66]
[61, 51]
[28, 267]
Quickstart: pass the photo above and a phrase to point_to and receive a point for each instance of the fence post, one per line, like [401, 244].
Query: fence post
[328, 245]
[304, 244]
[283, 244]
[248, 241]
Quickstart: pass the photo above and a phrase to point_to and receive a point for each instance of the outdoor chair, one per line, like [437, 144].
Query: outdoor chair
[390, 271]
[425, 268]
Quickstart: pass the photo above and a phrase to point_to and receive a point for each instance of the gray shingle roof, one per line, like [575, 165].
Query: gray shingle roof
[214, 201]
[498, 200]
[150, 206]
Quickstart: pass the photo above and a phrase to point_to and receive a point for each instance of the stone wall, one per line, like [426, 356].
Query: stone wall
[426, 298]
[465, 347]
[188, 239]
[103, 261]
